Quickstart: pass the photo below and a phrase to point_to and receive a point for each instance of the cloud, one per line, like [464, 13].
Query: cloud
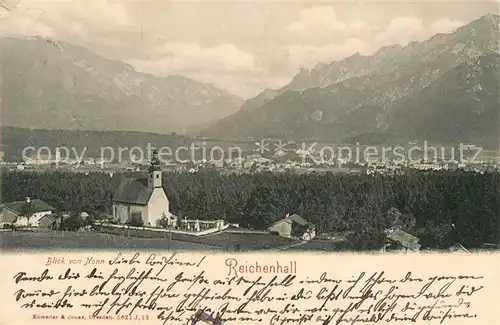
[191, 57]
[320, 23]
[286, 60]
[24, 25]
[232, 68]
[445, 25]
[402, 30]
[307, 56]
[317, 20]
[64, 19]
[360, 28]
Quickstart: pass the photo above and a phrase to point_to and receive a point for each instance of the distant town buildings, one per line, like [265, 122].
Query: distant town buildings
[281, 157]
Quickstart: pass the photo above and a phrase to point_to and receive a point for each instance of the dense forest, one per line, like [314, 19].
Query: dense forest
[441, 207]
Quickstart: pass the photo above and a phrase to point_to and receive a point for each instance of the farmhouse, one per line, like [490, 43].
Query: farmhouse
[144, 198]
[293, 225]
[26, 213]
[400, 240]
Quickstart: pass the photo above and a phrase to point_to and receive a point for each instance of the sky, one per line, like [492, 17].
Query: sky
[244, 47]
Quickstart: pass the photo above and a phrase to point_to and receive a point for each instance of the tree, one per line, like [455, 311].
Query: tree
[58, 221]
[13, 224]
[299, 230]
[334, 202]
[368, 239]
[262, 208]
[397, 219]
[136, 220]
[73, 222]
[27, 212]
[254, 167]
[90, 221]
[437, 235]
[163, 222]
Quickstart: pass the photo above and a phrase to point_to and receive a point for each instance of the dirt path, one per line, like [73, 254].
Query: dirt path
[277, 249]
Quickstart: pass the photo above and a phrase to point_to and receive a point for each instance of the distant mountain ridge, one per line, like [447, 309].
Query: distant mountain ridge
[56, 85]
[377, 94]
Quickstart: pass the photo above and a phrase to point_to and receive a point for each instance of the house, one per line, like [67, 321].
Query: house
[26, 213]
[47, 221]
[293, 225]
[145, 198]
[398, 239]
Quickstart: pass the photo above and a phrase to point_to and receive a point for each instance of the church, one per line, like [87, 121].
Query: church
[143, 197]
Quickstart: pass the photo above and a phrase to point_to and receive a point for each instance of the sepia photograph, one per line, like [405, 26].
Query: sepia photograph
[249, 126]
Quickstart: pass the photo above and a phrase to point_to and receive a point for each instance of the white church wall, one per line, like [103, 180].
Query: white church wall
[158, 205]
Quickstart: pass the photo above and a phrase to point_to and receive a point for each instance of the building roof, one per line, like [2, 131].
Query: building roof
[50, 217]
[133, 191]
[286, 220]
[407, 240]
[294, 218]
[298, 219]
[6, 217]
[36, 206]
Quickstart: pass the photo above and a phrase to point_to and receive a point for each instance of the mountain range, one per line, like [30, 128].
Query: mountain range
[50, 84]
[443, 89]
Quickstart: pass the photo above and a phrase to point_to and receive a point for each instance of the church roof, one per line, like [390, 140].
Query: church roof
[133, 191]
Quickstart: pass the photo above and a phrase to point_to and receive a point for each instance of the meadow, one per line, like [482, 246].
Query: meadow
[67, 240]
[113, 239]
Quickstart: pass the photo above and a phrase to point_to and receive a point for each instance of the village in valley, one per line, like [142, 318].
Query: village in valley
[273, 155]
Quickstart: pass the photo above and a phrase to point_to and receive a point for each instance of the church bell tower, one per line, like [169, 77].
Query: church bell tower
[155, 171]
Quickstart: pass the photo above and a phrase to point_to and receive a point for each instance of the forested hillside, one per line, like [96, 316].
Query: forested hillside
[440, 207]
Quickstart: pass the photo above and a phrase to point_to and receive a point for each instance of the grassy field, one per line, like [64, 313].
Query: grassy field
[57, 240]
[223, 240]
[133, 239]
[320, 246]
[247, 241]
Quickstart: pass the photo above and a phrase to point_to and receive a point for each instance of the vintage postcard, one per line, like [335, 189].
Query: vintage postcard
[249, 162]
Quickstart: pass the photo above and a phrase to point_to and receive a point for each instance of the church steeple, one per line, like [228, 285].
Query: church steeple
[155, 171]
